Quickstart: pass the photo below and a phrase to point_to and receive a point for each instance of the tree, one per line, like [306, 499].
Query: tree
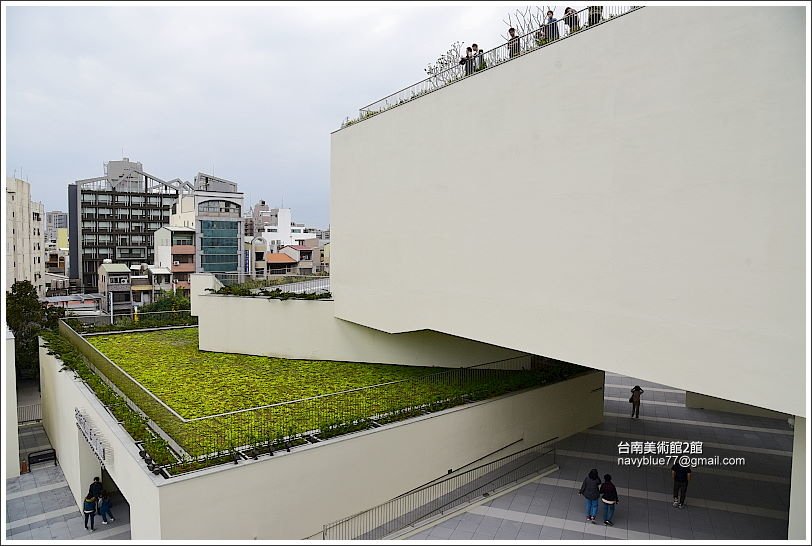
[167, 301]
[26, 316]
[439, 71]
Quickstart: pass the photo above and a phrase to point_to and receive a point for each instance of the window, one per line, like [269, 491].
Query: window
[226, 207]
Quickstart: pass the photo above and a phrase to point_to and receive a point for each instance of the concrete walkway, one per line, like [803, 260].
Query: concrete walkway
[40, 506]
[749, 501]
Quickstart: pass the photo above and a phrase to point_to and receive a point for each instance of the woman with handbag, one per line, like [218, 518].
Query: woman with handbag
[635, 400]
[609, 499]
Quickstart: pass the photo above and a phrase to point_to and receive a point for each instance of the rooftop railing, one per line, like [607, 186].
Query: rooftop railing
[565, 27]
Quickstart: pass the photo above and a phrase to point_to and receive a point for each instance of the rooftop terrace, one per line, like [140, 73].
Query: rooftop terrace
[539, 38]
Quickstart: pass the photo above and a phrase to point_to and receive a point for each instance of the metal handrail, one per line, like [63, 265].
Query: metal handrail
[537, 39]
[378, 521]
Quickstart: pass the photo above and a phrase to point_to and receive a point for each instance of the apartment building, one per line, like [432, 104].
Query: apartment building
[175, 250]
[55, 220]
[25, 236]
[214, 210]
[115, 288]
[114, 217]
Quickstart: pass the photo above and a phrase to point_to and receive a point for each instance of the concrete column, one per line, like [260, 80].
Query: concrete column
[703, 401]
[798, 484]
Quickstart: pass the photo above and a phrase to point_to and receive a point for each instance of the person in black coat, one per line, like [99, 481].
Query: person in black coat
[468, 61]
[609, 498]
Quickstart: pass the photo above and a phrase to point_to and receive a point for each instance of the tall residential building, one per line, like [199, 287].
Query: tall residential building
[114, 217]
[54, 220]
[175, 250]
[214, 210]
[25, 236]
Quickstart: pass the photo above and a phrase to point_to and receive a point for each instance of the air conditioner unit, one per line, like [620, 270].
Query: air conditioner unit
[176, 262]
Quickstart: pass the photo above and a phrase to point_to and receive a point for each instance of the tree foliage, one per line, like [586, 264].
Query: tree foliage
[167, 301]
[439, 71]
[26, 316]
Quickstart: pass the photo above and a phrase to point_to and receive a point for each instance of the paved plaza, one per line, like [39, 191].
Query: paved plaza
[40, 506]
[733, 503]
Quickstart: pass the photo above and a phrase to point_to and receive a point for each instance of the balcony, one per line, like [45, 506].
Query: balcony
[183, 250]
[183, 267]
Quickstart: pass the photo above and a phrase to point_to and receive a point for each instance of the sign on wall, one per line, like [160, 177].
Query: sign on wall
[91, 435]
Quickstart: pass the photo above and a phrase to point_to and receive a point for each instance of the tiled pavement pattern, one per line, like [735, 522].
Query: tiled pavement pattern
[743, 502]
[40, 506]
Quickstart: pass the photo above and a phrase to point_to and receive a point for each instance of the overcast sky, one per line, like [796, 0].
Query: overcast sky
[248, 92]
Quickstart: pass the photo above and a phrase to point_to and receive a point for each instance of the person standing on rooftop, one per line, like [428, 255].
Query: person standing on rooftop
[513, 43]
[571, 20]
[551, 27]
[479, 59]
[468, 61]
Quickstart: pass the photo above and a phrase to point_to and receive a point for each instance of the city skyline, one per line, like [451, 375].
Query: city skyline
[199, 89]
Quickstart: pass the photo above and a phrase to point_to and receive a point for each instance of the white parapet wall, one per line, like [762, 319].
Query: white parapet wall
[655, 165]
[12, 439]
[309, 330]
[292, 495]
[62, 394]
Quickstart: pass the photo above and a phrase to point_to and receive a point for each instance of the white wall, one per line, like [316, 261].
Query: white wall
[799, 488]
[657, 164]
[309, 330]
[11, 439]
[62, 392]
[291, 496]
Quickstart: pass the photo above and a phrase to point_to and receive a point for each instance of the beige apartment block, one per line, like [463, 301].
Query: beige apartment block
[25, 236]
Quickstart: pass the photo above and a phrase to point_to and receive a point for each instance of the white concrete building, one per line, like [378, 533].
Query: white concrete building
[663, 183]
[25, 236]
[278, 228]
[214, 210]
[659, 253]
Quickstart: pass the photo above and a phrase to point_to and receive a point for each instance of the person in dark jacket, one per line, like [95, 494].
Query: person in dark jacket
[96, 490]
[590, 489]
[513, 43]
[468, 61]
[635, 400]
[104, 508]
[681, 475]
[609, 498]
[551, 27]
[89, 509]
[595, 13]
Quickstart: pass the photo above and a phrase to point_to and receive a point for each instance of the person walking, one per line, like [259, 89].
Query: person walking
[609, 498]
[104, 509]
[591, 492]
[681, 475]
[513, 43]
[89, 509]
[96, 488]
[635, 400]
